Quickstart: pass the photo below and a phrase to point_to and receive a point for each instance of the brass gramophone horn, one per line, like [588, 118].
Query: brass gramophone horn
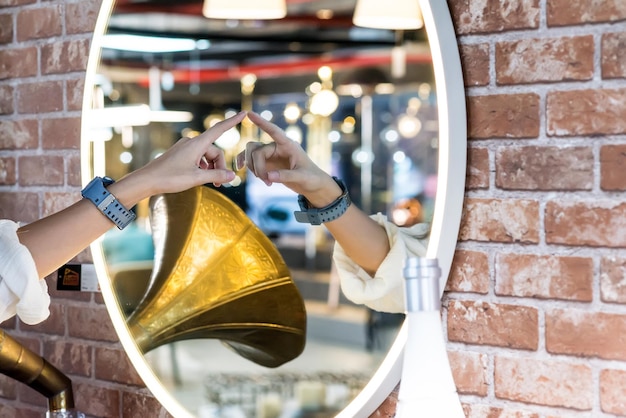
[217, 275]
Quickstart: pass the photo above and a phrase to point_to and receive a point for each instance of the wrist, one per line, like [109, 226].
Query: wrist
[97, 191]
[325, 195]
[133, 188]
[317, 216]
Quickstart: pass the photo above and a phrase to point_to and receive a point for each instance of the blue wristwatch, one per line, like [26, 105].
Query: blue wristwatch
[107, 203]
[317, 216]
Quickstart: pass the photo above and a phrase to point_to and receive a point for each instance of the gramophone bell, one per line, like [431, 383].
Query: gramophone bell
[217, 275]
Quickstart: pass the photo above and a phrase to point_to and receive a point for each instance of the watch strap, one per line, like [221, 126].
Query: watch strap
[96, 191]
[317, 216]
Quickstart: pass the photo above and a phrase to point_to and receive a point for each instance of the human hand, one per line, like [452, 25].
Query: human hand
[284, 161]
[191, 161]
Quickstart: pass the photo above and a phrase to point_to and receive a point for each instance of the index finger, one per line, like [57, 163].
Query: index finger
[277, 134]
[215, 131]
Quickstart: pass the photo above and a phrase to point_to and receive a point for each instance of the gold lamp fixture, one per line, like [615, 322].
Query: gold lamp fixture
[244, 9]
[217, 275]
[28, 367]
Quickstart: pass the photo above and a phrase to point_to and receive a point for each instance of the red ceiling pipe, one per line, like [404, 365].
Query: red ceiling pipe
[278, 69]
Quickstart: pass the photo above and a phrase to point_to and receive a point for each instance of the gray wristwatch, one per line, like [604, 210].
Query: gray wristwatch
[317, 216]
[107, 203]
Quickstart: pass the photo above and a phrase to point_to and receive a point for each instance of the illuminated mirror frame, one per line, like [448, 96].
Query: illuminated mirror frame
[445, 224]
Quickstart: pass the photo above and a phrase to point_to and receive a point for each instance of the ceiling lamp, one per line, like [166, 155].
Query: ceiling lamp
[244, 9]
[399, 14]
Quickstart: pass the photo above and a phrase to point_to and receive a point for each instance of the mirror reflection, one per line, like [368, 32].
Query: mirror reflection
[360, 101]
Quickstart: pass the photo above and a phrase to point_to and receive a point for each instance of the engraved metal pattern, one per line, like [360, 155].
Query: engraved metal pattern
[217, 275]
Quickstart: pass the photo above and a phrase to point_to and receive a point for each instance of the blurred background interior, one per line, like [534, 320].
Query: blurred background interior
[362, 103]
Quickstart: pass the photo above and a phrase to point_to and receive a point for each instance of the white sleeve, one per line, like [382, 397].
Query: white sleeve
[21, 290]
[385, 291]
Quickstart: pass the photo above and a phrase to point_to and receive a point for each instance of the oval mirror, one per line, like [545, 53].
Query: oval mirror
[383, 109]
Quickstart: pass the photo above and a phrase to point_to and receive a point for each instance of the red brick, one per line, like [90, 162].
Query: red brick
[54, 325]
[31, 343]
[97, 401]
[572, 12]
[470, 372]
[544, 277]
[551, 383]
[73, 170]
[98, 298]
[19, 134]
[81, 17]
[475, 16]
[612, 167]
[7, 390]
[612, 384]
[595, 224]
[469, 272]
[74, 92]
[6, 28]
[482, 323]
[7, 170]
[487, 411]
[40, 97]
[41, 170]
[477, 168]
[388, 408]
[6, 100]
[39, 23]
[10, 324]
[60, 133]
[85, 257]
[92, 323]
[583, 333]
[72, 358]
[586, 112]
[475, 63]
[19, 206]
[18, 62]
[28, 411]
[124, 372]
[614, 55]
[31, 396]
[9, 3]
[544, 168]
[499, 220]
[613, 280]
[135, 404]
[64, 57]
[503, 116]
[23, 411]
[544, 60]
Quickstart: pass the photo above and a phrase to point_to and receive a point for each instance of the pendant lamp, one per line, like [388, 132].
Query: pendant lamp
[244, 9]
[398, 14]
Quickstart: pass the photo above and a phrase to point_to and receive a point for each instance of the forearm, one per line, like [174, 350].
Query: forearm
[190, 162]
[55, 239]
[362, 238]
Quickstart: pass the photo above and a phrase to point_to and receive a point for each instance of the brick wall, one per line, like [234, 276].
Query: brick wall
[44, 47]
[535, 313]
[534, 310]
